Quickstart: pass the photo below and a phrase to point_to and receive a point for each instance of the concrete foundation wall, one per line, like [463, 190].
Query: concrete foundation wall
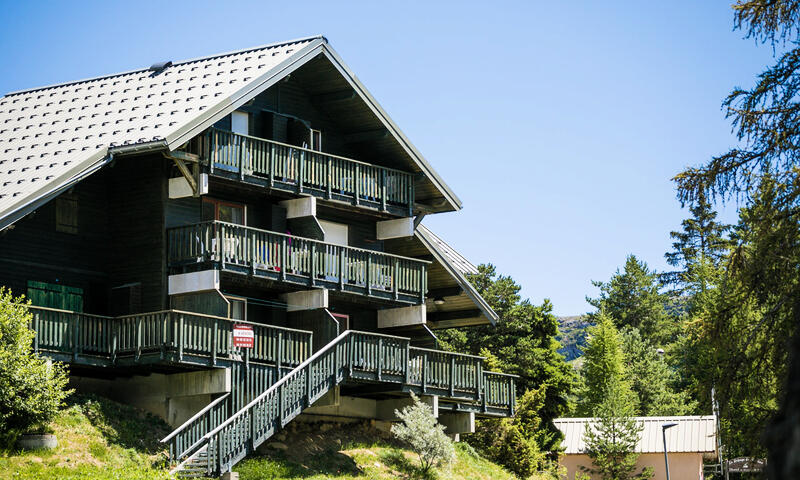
[174, 397]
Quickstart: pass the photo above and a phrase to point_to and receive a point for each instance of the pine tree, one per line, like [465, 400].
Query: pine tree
[603, 363]
[612, 436]
[702, 244]
[652, 379]
[523, 343]
[632, 299]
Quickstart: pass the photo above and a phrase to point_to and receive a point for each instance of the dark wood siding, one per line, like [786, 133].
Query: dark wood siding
[33, 249]
[137, 200]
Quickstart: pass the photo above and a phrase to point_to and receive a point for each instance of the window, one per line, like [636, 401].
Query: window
[53, 295]
[316, 140]
[230, 212]
[237, 308]
[67, 214]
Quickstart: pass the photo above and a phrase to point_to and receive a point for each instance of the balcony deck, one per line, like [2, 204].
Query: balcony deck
[293, 169]
[297, 260]
[173, 337]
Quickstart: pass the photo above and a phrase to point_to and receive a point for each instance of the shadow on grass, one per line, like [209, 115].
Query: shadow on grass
[122, 425]
[399, 462]
[277, 465]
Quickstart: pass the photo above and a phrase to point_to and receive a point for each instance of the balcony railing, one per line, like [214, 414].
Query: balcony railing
[298, 260]
[301, 170]
[169, 335]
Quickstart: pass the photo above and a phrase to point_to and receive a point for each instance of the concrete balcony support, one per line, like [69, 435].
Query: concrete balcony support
[202, 281]
[398, 228]
[300, 207]
[456, 423]
[386, 408]
[306, 300]
[402, 317]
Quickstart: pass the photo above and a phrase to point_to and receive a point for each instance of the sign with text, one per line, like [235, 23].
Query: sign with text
[243, 336]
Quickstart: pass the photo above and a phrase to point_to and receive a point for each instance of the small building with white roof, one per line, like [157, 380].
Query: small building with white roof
[689, 443]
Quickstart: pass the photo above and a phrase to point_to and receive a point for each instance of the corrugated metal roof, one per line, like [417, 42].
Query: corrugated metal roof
[692, 434]
[456, 259]
[49, 134]
[458, 266]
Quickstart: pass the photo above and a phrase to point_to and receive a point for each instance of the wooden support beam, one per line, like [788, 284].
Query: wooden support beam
[334, 97]
[366, 136]
[180, 159]
[445, 292]
[454, 315]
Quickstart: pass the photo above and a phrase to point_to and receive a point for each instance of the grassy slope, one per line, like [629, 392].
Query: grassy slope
[356, 451]
[376, 461]
[98, 440]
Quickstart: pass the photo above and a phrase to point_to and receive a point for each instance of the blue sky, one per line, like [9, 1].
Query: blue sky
[559, 124]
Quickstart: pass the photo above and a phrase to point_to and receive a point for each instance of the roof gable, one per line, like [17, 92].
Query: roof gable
[53, 136]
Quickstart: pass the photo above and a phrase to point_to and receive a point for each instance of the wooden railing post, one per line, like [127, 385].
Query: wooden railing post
[253, 253]
[366, 274]
[329, 176]
[396, 279]
[313, 263]
[352, 353]
[424, 373]
[308, 384]
[411, 197]
[302, 169]
[75, 327]
[138, 338]
[284, 261]
[408, 362]
[423, 288]
[242, 142]
[357, 181]
[36, 332]
[271, 165]
[452, 375]
[179, 337]
[214, 341]
[279, 359]
[383, 189]
[342, 271]
[380, 358]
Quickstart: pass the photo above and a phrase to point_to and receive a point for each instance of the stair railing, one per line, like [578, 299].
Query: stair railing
[186, 439]
[245, 430]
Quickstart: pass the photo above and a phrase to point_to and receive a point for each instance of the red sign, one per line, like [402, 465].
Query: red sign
[243, 336]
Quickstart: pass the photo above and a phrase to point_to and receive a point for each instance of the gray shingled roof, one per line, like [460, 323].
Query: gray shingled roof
[692, 434]
[52, 136]
[49, 135]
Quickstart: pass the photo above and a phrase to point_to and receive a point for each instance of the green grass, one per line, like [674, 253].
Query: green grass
[369, 461]
[98, 439]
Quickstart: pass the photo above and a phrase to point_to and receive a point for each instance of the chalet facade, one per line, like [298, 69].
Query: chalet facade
[234, 241]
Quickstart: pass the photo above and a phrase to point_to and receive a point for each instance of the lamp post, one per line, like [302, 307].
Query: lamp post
[664, 428]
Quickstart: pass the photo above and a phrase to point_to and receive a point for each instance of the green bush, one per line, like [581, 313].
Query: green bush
[426, 437]
[32, 390]
[513, 443]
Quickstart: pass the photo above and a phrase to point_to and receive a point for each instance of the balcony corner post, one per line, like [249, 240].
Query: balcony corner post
[271, 165]
[357, 180]
[341, 268]
[36, 330]
[313, 272]
[452, 375]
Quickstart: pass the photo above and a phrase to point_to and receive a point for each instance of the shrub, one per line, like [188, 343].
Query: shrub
[513, 443]
[426, 437]
[31, 389]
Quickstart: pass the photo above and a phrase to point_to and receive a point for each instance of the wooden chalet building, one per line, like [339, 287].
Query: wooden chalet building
[234, 240]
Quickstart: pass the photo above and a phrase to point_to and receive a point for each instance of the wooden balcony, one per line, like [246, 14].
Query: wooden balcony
[300, 170]
[296, 260]
[166, 337]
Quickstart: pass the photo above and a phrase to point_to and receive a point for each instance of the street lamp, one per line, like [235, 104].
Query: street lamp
[664, 428]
